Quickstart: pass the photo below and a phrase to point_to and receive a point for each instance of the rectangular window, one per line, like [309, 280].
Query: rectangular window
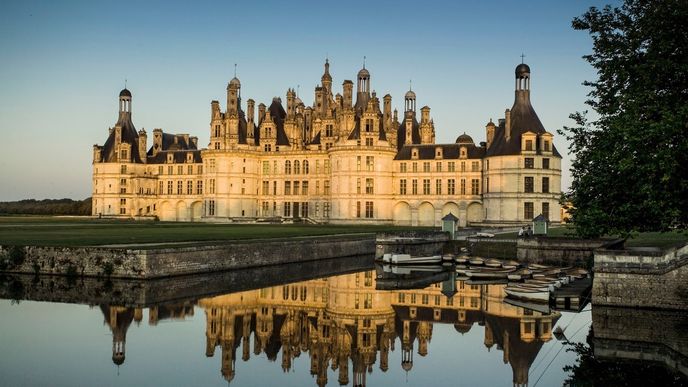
[438, 166]
[529, 145]
[180, 170]
[438, 187]
[463, 186]
[414, 167]
[358, 163]
[528, 184]
[266, 167]
[317, 166]
[414, 187]
[266, 188]
[545, 184]
[287, 188]
[545, 163]
[327, 166]
[369, 141]
[179, 187]
[545, 209]
[370, 163]
[326, 187]
[287, 209]
[358, 185]
[475, 166]
[546, 146]
[426, 166]
[296, 188]
[211, 207]
[528, 210]
[487, 185]
[529, 163]
[451, 166]
[451, 187]
[200, 169]
[402, 187]
[274, 188]
[317, 187]
[160, 192]
[189, 187]
[402, 167]
[169, 187]
[426, 186]
[370, 186]
[358, 209]
[199, 187]
[369, 210]
[326, 209]
[463, 166]
[304, 188]
[211, 189]
[189, 170]
[123, 169]
[170, 170]
[160, 170]
[475, 187]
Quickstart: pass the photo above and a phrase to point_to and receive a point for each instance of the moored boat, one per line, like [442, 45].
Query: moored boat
[405, 259]
[527, 294]
[476, 261]
[493, 263]
[519, 275]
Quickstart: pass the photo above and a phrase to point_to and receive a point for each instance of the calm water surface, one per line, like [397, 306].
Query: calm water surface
[336, 330]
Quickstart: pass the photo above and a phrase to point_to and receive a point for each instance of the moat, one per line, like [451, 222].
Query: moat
[320, 324]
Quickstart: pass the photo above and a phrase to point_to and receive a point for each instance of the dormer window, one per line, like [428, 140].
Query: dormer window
[529, 145]
[545, 146]
[124, 155]
[414, 153]
[189, 157]
[438, 153]
[170, 158]
[462, 152]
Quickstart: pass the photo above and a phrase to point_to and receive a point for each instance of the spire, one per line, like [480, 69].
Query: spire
[364, 59]
[235, 66]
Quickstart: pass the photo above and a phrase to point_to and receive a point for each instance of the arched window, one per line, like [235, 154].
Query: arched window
[287, 167]
[297, 167]
[305, 167]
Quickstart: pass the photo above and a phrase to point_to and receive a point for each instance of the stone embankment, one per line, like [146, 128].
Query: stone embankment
[416, 243]
[642, 277]
[156, 262]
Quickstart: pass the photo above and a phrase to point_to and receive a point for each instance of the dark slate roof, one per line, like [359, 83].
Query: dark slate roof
[179, 156]
[540, 218]
[278, 115]
[523, 119]
[129, 136]
[451, 217]
[415, 132]
[449, 151]
[316, 139]
[125, 93]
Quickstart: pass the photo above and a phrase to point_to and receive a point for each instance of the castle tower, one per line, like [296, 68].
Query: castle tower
[326, 80]
[410, 101]
[250, 124]
[362, 90]
[348, 88]
[124, 104]
[233, 96]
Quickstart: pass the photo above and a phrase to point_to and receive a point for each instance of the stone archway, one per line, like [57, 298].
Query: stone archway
[426, 214]
[182, 212]
[402, 214]
[451, 207]
[196, 211]
[167, 212]
[474, 212]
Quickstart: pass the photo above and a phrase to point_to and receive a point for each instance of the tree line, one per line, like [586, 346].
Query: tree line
[47, 207]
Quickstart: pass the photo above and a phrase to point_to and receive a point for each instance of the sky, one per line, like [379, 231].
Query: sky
[63, 64]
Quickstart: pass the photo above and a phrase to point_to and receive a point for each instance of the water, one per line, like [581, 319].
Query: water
[331, 330]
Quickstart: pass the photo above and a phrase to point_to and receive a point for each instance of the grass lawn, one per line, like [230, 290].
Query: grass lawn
[73, 231]
[645, 239]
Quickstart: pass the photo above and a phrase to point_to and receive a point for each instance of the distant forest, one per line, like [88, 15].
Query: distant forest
[47, 207]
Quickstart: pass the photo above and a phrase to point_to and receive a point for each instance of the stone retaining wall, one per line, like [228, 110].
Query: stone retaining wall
[163, 262]
[642, 278]
[558, 251]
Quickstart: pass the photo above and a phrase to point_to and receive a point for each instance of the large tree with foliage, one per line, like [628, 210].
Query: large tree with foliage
[630, 167]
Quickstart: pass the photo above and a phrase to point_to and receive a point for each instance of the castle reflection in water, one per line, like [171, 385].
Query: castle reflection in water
[345, 324]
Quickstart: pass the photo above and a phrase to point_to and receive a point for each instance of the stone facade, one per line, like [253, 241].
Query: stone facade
[338, 160]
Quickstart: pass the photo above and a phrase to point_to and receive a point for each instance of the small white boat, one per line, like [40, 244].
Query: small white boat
[541, 287]
[461, 259]
[407, 259]
[409, 269]
[493, 263]
[527, 294]
[476, 261]
[488, 273]
[387, 258]
[510, 264]
[484, 235]
[519, 275]
[448, 257]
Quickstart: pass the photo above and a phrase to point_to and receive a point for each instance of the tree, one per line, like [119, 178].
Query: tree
[630, 167]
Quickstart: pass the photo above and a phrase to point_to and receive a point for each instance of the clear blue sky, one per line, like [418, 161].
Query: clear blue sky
[63, 64]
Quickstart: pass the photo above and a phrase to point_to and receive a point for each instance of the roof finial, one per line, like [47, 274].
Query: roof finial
[364, 58]
[522, 56]
[297, 90]
[327, 57]
[125, 82]
[410, 84]
[235, 70]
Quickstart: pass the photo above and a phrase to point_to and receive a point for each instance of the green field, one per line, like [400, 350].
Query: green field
[645, 239]
[75, 231]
